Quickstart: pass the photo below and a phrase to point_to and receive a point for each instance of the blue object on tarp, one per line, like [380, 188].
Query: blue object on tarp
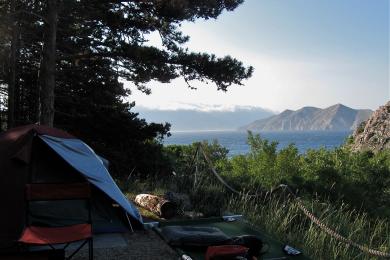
[81, 157]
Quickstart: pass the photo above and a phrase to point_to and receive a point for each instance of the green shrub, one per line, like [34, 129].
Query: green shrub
[349, 191]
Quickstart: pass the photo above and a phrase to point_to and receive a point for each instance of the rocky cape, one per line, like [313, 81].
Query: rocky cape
[333, 118]
[374, 134]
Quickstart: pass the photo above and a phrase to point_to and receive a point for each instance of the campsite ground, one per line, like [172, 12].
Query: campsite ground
[140, 245]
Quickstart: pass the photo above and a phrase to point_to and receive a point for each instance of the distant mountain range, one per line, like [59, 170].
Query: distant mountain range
[333, 118]
[195, 120]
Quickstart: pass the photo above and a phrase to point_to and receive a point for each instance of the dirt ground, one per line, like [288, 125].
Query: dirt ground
[141, 245]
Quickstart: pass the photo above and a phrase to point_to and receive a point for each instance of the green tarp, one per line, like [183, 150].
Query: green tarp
[232, 229]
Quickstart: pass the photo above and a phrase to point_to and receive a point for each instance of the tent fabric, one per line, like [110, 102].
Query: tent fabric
[43, 191]
[17, 132]
[105, 219]
[59, 235]
[106, 163]
[81, 157]
[26, 158]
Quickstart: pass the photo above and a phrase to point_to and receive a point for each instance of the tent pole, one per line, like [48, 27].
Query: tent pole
[32, 158]
[196, 165]
[29, 179]
[128, 220]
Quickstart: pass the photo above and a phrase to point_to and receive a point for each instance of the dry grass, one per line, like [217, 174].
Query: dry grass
[283, 219]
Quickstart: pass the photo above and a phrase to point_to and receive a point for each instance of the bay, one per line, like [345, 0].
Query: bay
[236, 141]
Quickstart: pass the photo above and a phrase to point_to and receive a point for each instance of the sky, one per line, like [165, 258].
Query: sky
[305, 53]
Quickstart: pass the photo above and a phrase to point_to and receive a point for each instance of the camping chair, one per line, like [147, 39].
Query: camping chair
[50, 236]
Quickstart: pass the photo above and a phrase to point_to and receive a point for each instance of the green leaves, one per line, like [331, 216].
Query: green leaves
[101, 43]
[118, 32]
[360, 179]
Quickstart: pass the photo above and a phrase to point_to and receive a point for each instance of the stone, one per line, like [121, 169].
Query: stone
[374, 134]
[182, 201]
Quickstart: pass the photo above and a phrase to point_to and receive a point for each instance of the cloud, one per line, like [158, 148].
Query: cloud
[280, 80]
[202, 107]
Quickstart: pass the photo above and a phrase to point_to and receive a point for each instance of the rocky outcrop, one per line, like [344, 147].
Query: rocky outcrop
[374, 134]
[333, 118]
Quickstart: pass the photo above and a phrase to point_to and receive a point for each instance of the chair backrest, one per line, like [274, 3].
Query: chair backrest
[58, 191]
[62, 191]
[38, 234]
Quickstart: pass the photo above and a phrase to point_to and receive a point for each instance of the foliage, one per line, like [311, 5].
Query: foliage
[184, 158]
[113, 36]
[347, 190]
[100, 44]
[360, 179]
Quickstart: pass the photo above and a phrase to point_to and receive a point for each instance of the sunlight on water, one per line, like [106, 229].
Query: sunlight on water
[236, 141]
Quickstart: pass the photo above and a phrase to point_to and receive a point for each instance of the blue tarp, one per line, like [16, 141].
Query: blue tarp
[81, 157]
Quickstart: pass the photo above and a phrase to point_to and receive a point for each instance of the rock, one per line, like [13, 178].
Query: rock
[374, 134]
[182, 201]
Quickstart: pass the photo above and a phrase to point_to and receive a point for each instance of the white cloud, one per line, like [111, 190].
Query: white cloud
[201, 107]
[278, 83]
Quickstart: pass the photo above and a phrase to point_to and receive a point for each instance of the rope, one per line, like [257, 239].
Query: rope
[305, 211]
[216, 174]
[191, 165]
[330, 231]
[222, 181]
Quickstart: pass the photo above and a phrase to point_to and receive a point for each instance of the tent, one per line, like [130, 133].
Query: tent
[40, 154]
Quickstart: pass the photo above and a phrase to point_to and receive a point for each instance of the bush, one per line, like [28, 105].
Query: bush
[360, 179]
[348, 191]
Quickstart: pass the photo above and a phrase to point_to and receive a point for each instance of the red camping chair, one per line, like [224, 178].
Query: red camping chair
[50, 236]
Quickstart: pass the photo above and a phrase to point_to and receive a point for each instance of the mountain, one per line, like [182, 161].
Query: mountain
[333, 118]
[194, 120]
[374, 134]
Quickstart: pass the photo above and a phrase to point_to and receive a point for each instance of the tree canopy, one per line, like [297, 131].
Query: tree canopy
[69, 59]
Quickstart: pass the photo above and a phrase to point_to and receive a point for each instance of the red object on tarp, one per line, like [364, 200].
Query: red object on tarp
[225, 252]
[55, 235]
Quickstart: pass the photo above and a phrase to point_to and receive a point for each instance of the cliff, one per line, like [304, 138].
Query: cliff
[374, 134]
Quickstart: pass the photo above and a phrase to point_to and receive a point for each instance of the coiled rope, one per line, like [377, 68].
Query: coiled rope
[305, 211]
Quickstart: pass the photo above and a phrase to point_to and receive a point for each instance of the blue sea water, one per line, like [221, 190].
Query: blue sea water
[236, 141]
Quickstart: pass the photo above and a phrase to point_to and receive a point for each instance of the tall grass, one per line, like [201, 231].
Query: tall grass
[360, 179]
[282, 218]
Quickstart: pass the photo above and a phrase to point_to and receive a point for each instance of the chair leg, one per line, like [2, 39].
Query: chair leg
[77, 250]
[20, 248]
[90, 249]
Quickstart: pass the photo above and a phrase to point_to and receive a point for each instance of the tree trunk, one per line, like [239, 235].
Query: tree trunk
[49, 65]
[159, 206]
[12, 72]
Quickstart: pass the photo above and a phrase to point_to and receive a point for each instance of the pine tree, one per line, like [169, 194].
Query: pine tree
[71, 57]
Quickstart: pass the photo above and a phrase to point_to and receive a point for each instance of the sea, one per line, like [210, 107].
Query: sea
[236, 141]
